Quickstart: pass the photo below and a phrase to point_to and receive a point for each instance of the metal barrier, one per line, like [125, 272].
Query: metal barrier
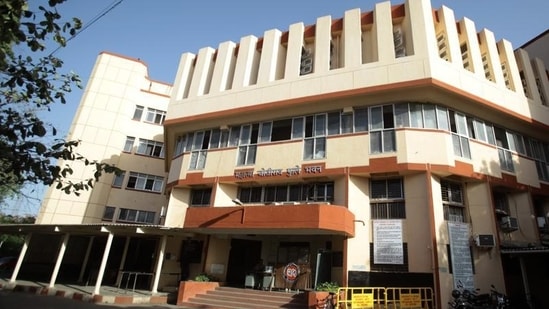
[385, 298]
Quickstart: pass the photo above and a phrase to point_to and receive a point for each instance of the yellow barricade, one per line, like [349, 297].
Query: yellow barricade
[385, 298]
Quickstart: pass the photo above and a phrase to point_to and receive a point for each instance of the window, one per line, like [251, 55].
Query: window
[201, 197]
[274, 131]
[387, 199]
[314, 144]
[118, 180]
[505, 156]
[465, 57]
[452, 201]
[199, 150]
[460, 139]
[128, 146]
[247, 144]
[108, 213]
[138, 112]
[136, 216]
[398, 39]
[540, 153]
[382, 133]
[155, 116]
[501, 203]
[150, 148]
[311, 192]
[145, 182]
[361, 119]
[307, 58]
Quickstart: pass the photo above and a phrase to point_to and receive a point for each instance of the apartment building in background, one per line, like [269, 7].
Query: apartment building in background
[390, 147]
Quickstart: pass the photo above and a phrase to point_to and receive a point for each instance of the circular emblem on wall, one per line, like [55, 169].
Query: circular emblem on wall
[291, 272]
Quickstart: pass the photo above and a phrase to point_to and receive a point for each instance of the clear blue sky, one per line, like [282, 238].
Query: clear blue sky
[159, 31]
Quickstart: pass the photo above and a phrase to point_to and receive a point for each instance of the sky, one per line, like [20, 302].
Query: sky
[159, 31]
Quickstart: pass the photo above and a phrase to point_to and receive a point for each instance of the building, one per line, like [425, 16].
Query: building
[391, 147]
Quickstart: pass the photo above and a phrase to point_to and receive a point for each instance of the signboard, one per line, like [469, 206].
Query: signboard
[462, 265]
[291, 272]
[362, 301]
[388, 247]
[412, 300]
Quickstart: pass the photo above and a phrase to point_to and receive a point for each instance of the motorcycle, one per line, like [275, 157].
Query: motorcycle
[499, 300]
[467, 299]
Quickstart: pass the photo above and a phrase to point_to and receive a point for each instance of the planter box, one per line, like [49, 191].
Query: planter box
[316, 299]
[189, 289]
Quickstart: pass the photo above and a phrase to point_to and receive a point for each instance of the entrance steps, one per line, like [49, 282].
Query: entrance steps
[238, 298]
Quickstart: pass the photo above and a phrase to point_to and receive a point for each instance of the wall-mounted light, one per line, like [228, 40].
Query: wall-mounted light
[361, 221]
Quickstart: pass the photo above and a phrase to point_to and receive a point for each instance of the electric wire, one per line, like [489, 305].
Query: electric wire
[104, 12]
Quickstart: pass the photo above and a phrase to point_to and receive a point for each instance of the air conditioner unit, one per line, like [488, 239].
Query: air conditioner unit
[485, 241]
[509, 224]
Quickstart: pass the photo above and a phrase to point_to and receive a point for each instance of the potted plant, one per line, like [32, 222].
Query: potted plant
[322, 292]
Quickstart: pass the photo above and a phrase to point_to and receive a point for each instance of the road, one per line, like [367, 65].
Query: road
[18, 300]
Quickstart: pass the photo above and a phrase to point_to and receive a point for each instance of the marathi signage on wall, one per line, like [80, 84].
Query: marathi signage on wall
[269, 172]
[388, 248]
[462, 265]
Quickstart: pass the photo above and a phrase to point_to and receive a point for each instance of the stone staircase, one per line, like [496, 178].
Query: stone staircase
[237, 298]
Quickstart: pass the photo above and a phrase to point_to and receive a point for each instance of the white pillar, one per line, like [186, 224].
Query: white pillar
[201, 76]
[352, 35]
[21, 257]
[223, 69]
[293, 54]
[323, 36]
[244, 70]
[123, 261]
[86, 258]
[103, 264]
[159, 261]
[59, 260]
[184, 76]
[382, 30]
[268, 63]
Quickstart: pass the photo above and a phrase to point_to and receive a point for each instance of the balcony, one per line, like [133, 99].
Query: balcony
[301, 219]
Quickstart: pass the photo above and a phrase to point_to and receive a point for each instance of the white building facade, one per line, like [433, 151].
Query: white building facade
[391, 147]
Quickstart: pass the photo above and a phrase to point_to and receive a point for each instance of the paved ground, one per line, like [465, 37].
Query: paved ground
[9, 299]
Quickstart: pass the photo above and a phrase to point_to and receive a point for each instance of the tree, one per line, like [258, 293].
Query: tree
[29, 150]
[10, 245]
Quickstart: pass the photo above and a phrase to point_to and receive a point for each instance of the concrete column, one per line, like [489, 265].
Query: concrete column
[382, 31]
[488, 40]
[245, 62]
[159, 262]
[103, 264]
[123, 261]
[293, 56]
[507, 55]
[352, 38]
[86, 258]
[21, 257]
[269, 56]
[224, 67]
[523, 60]
[469, 35]
[183, 76]
[447, 18]
[420, 37]
[202, 72]
[323, 36]
[59, 260]
[539, 71]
